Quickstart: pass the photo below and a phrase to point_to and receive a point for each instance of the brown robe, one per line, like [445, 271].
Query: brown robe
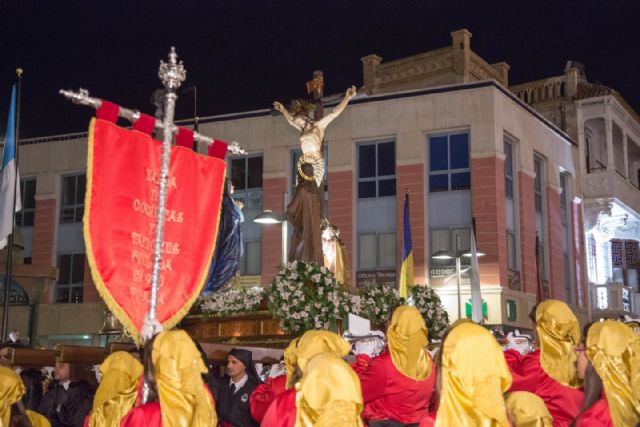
[305, 215]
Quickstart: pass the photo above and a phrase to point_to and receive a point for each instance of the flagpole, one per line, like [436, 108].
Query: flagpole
[7, 277]
[476, 295]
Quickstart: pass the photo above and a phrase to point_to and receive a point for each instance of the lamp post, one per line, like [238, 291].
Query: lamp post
[269, 217]
[445, 255]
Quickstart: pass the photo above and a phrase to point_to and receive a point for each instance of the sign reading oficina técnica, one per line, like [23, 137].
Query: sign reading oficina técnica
[383, 277]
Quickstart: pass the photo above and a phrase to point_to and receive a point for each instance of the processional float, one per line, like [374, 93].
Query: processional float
[139, 218]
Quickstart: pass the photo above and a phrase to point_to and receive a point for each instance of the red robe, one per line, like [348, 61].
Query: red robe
[390, 395]
[282, 411]
[148, 415]
[598, 415]
[263, 395]
[562, 402]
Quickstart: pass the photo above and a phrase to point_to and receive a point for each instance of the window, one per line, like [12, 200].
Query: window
[511, 204]
[537, 167]
[567, 279]
[508, 168]
[449, 162]
[72, 202]
[563, 198]
[567, 237]
[246, 177]
[512, 254]
[376, 250]
[376, 170]
[25, 217]
[246, 173]
[541, 260]
[541, 214]
[250, 261]
[70, 279]
[454, 240]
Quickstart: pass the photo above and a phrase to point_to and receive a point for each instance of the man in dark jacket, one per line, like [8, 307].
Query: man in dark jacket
[69, 401]
[233, 391]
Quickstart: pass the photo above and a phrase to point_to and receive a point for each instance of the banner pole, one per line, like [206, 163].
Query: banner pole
[172, 74]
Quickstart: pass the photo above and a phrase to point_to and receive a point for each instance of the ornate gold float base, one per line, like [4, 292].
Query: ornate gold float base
[258, 329]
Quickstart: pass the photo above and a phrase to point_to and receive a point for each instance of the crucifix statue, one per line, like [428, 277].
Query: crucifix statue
[305, 210]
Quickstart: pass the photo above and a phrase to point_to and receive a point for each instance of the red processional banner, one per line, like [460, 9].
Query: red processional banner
[123, 175]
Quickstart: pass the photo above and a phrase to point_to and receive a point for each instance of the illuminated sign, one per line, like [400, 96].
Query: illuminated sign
[17, 294]
[602, 298]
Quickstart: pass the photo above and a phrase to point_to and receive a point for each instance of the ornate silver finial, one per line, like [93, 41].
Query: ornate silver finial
[172, 74]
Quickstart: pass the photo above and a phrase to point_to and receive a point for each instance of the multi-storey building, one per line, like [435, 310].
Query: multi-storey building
[442, 124]
[607, 130]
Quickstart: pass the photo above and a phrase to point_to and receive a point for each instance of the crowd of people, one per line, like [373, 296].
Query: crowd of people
[588, 378]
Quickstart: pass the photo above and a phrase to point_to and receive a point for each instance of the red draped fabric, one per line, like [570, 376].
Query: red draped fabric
[263, 395]
[429, 420]
[145, 124]
[148, 415]
[218, 149]
[108, 111]
[597, 415]
[184, 138]
[390, 395]
[282, 412]
[562, 402]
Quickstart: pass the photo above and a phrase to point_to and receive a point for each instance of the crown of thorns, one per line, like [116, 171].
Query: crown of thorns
[300, 106]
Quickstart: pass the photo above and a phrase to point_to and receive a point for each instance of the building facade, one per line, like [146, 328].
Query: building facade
[607, 130]
[443, 125]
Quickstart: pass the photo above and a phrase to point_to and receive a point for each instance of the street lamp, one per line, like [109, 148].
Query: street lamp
[445, 255]
[269, 217]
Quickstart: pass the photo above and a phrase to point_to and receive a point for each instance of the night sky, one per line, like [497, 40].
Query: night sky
[243, 54]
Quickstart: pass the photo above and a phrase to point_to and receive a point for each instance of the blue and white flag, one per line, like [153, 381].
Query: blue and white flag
[9, 177]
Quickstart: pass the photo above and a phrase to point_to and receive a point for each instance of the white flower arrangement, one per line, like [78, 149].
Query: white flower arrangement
[427, 301]
[376, 302]
[232, 301]
[306, 296]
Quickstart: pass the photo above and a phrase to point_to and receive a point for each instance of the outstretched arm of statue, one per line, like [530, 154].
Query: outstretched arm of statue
[287, 115]
[324, 122]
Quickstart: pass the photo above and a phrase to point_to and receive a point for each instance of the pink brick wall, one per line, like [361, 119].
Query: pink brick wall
[272, 190]
[527, 217]
[487, 183]
[340, 210]
[411, 177]
[44, 232]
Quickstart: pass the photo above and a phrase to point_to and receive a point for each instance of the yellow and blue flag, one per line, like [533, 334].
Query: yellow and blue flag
[406, 271]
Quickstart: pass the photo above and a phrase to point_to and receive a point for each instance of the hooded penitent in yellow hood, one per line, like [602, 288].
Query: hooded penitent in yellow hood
[614, 352]
[558, 333]
[474, 378]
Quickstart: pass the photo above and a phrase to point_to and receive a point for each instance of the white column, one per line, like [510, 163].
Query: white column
[582, 146]
[608, 131]
[625, 153]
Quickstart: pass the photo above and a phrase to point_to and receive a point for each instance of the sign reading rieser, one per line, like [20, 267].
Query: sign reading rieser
[123, 178]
